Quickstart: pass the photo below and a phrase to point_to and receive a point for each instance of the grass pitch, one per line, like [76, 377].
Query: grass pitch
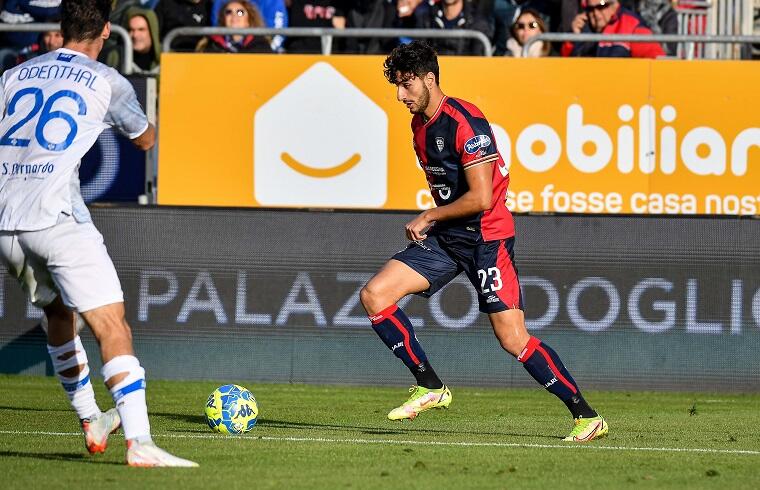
[337, 437]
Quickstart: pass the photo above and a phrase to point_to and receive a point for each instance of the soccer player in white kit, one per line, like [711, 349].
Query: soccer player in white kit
[53, 109]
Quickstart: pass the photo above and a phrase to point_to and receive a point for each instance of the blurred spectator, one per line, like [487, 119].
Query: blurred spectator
[569, 9]
[48, 41]
[142, 26]
[505, 14]
[25, 12]
[183, 13]
[313, 13]
[274, 13]
[661, 17]
[550, 10]
[371, 14]
[459, 14]
[237, 14]
[407, 8]
[529, 24]
[609, 17]
[119, 9]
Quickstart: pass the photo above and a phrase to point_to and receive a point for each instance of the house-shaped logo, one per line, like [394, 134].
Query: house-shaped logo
[320, 142]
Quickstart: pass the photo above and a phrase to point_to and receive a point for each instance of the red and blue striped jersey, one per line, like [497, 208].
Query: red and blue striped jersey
[456, 138]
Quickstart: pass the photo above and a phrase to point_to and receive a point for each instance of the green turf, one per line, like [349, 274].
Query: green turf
[341, 439]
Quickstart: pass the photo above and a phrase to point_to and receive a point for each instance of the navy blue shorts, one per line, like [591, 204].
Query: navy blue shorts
[490, 266]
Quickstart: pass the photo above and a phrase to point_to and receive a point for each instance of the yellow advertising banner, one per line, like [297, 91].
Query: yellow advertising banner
[579, 135]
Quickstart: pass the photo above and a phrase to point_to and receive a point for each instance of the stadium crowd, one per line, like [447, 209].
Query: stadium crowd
[507, 23]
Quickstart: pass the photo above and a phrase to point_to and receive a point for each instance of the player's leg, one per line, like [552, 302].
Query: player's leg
[125, 379]
[67, 355]
[501, 299]
[87, 281]
[70, 363]
[379, 297]
[69, 358]
[401, 276]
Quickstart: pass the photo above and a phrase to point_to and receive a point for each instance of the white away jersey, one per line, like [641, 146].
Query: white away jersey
[53, 109]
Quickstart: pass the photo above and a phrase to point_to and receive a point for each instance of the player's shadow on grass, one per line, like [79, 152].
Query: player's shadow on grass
[35, 409]
[286, 424]
[283, 424]
[69, 457]
[183, 417]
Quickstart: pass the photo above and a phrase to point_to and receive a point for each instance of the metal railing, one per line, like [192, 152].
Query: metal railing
[695, 18]
[640, 38]
[731, 17]
[327, 35]
[126, 60]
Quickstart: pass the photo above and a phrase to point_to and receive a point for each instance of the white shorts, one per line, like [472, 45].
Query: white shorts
[69, 259]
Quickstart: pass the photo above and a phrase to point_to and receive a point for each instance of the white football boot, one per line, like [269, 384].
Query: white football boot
[147, 454]
[97, 429]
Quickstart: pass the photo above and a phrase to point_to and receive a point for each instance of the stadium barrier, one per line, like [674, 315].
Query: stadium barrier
[639, 302]
[642, 38]
[731, 17]
[127, 58]
[667, 137]
[327, 34]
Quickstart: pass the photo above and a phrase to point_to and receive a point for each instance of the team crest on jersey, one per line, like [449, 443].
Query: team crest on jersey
[477, 142]
[439, 143]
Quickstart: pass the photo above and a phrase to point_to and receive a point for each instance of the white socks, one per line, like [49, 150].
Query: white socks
[78, 388]
[129, 396]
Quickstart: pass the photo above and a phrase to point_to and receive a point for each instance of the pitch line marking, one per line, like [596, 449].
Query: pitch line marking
[418, 443]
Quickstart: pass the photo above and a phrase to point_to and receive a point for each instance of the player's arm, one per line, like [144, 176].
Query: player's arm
[147, 139]
[127, 116]
[478, 198]
[2, 98]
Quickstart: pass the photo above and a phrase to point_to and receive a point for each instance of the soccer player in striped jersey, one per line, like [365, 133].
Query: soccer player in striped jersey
[470, 230]
[53, 109]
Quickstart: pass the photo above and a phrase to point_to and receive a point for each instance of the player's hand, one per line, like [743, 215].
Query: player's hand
[579, 22]
[418, 227]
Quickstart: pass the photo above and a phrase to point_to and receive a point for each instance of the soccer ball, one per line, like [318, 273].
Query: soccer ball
[231, 409]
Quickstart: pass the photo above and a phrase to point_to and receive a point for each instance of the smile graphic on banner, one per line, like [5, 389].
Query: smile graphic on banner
[310, 144]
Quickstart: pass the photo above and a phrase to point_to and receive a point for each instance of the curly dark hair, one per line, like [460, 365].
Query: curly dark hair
[83, 20]
[417, 58]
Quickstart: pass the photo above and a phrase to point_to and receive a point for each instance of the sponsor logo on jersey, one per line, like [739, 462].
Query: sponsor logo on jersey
[477, 142]
[439, 143]
[443, 190]
[435, 170]
[65, 57]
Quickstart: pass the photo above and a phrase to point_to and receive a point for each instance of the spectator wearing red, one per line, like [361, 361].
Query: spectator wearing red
[609, 17]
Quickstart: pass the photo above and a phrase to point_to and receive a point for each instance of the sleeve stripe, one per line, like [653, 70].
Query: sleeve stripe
[477, 165]
[486, 159]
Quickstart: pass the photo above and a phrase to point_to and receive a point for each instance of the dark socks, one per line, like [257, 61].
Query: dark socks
[545, 366]
[396, 331]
